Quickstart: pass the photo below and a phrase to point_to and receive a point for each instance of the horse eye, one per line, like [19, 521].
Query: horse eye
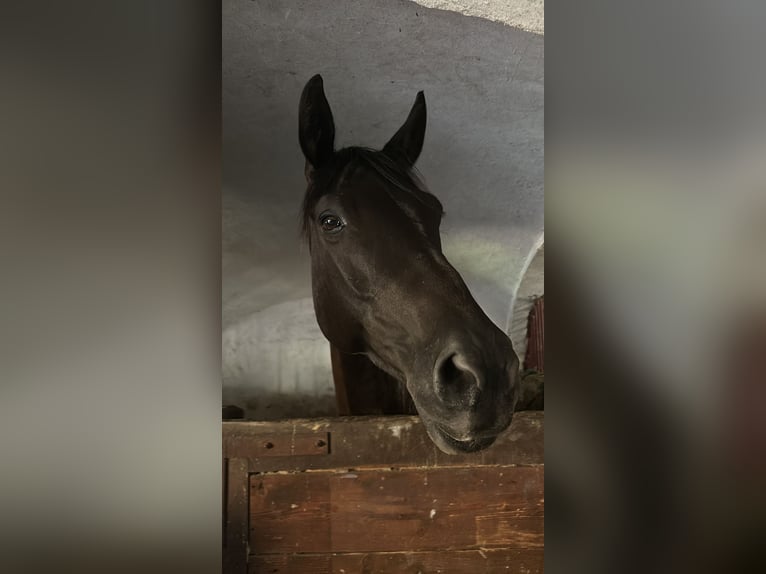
[331, 223]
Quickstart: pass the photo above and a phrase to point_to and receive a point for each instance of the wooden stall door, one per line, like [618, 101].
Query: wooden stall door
[374, 495]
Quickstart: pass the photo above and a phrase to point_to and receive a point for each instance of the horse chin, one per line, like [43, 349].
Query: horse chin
[450, 445]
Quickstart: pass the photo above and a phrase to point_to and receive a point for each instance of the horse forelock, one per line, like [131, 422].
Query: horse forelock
[399, 177]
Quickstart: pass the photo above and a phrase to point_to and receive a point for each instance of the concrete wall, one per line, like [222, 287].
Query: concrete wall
[483, 157]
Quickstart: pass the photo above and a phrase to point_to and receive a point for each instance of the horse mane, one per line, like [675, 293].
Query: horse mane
[399, 177]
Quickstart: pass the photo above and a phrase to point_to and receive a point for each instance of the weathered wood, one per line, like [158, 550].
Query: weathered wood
[408, 509]
[236, 516]
[382, 499]
[282, 441]
[290, 513]
[363, 389]
[422, 509]
[508, 529]
[483, 561]
[364, 442]
[292, 564]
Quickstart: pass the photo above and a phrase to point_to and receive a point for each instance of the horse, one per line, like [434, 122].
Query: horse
[396, 313]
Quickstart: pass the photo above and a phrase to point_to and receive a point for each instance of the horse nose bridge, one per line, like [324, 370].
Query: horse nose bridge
[439, 282]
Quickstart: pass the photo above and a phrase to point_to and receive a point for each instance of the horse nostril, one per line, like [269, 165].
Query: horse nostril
[448, 370]
[455, 379]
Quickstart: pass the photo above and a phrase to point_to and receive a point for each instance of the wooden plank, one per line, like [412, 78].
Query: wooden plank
[365, 442]
[408, 509]
[510, 530]
[482, 561]
[290, 442]
[421, 509]
[291, 564]
[236, 517]
[289, 513]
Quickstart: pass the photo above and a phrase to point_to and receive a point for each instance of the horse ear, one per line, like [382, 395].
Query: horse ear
[408, 141]
[316, 128]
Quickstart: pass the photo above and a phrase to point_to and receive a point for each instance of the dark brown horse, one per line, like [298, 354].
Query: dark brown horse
[385, 296]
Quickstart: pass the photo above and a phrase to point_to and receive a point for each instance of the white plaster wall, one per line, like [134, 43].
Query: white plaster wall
[528, 15]
[483, 157]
